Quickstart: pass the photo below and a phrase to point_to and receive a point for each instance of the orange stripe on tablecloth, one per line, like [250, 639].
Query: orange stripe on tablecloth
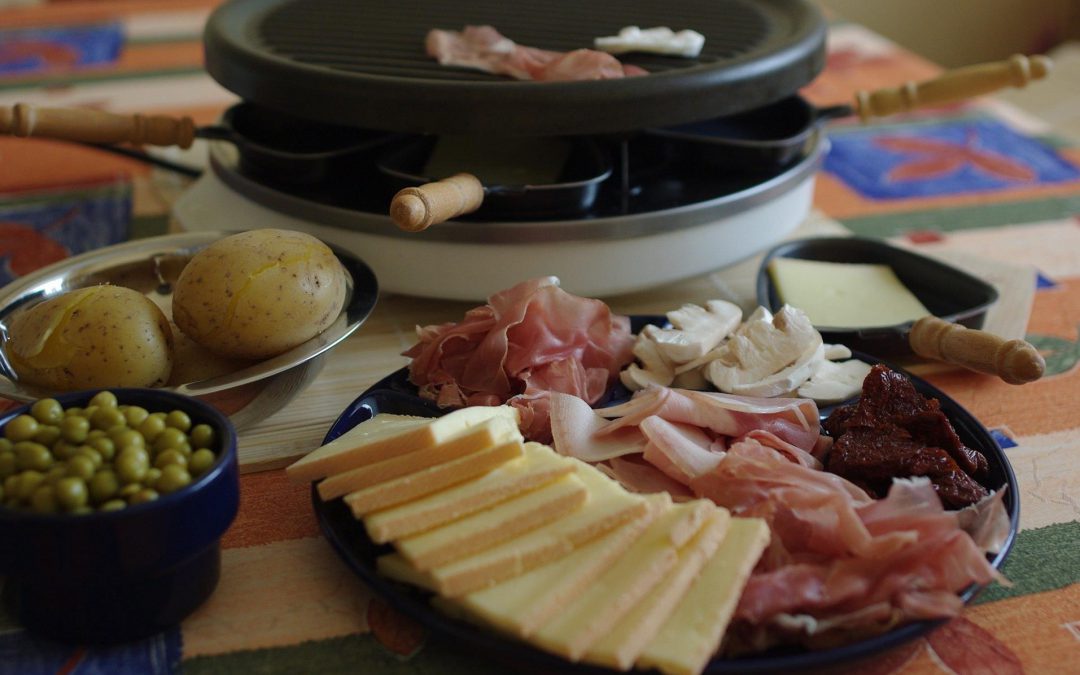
[28, 164]
[271, 509]
[134, 58]
[1041, 407]
[69, 13]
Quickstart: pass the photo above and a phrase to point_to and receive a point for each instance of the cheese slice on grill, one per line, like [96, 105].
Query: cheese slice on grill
[486, 528]
[385, 436]
[539, 466]
[493, 431]
[521, 605]
[620, 647]
[432, 479]
[608, 506]
[593, 613]
[692, 634]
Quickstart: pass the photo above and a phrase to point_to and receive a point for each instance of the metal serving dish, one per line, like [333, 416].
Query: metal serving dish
[151, 266]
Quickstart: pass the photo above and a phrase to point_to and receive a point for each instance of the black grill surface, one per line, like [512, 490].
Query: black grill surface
[362, 62]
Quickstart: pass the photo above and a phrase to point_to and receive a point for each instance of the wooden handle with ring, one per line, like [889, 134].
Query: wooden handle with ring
[96, 126]
[955, 85]
[1015, 361]
[417, 208]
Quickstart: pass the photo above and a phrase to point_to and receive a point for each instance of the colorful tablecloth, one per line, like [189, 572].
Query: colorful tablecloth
[979, 179]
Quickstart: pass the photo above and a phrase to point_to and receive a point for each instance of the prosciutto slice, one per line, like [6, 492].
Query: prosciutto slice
[484, 48]
[526, 341]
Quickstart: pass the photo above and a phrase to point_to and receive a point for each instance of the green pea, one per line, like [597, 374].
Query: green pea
[152, 475]
[173, 477]
[131, 465]
[143, 496]
[167, 457]
[114, 505]
[127, 438]
[47, 411]
[128, 490]
[30, 455]
[74, 429]
[71, 492]
[73, 411]
[47, 434]
[151, 427]
[135, 415]
[43, 499]
[8, 464]
[107, 419]
[81, 466]
[11, 485]
[5, 444]
[94, 434]
[103, 485]
[178, 419]
[169, 438]
[201, 461]
[22, 428]
[202, 436]
[104, 447]
[104, 399]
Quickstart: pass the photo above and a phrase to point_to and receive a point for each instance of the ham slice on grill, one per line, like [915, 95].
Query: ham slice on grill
[525, 342]
[484, 48]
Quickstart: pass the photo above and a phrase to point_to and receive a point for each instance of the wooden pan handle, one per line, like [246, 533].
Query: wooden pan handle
[1014, 361]
[416, 208]
[96, 126]
[955, 85]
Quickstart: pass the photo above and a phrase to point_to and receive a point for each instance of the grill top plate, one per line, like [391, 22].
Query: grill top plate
[362, 62]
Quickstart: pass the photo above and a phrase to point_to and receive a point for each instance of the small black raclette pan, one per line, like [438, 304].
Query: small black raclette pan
[949, 293]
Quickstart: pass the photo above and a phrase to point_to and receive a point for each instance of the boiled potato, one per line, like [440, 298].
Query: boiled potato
[100, 336]
[260, 293]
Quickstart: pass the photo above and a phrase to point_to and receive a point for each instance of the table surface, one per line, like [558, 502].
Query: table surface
[979, 184]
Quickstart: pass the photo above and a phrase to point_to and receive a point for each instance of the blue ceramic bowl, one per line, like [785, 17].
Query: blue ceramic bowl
[121, 575]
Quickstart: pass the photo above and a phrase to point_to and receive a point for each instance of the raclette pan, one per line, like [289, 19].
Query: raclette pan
[780, 133]
[957, 301]
[272, 145]
[424, 199]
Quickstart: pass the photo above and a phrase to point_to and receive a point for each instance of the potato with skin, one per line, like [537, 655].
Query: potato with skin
[257, 294]
[99, 336]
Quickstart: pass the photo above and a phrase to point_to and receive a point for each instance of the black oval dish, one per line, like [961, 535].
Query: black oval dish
[394, 394]
[949, 293]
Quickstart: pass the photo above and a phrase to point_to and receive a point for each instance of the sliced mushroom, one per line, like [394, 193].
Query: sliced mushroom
[696, 329]
[654, 368]
[763, 346]
[835, 382]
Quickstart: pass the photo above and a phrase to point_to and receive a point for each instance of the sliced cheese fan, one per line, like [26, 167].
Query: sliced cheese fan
[541, 547]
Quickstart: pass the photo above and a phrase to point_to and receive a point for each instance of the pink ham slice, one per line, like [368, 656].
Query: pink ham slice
[484, 48]
[528, 340]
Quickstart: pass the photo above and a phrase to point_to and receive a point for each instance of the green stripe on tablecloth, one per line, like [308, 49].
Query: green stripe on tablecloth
[966, 217]
[1041, 560]
[351, 654]
[90, 78]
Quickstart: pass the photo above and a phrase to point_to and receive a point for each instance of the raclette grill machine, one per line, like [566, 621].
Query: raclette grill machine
[311, 69]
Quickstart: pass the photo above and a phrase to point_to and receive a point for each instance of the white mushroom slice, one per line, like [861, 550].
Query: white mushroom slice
[787, 380]
[762, 347]
[837, 352]
[696, 329]
[654, 368]
[835, 382]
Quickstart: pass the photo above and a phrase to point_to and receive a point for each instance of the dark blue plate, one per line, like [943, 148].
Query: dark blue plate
[395, 394]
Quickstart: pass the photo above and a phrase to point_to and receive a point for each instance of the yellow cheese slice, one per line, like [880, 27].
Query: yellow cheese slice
[845, 295]
[521, 605]
[620, 647]
[593, 613]
[486, 528]
[540, 465]
[432, 479]
[393, 566]
[692, 634]
[609, 506]
[385, 436]
[493, 431]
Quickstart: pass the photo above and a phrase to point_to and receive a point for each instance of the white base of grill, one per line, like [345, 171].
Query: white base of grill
[473, 271]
